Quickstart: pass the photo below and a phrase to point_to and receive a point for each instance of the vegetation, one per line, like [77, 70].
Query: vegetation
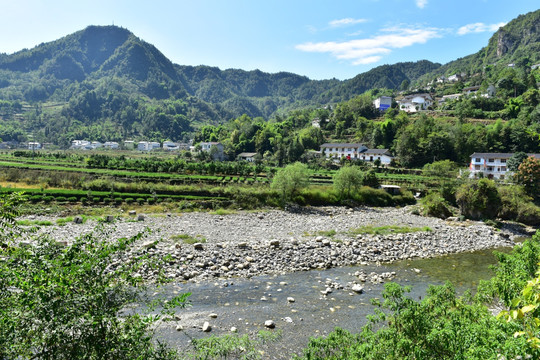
[479, 200]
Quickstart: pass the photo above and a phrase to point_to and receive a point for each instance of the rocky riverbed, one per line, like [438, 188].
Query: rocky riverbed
[247, 244]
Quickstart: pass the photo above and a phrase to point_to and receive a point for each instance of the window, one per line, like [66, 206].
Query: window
[503, 168]
[490, 168]
[476, 167]
[491, 160]
[478, 160]
[503, 161]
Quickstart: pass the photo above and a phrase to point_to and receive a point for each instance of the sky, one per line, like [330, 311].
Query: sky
[315, 38]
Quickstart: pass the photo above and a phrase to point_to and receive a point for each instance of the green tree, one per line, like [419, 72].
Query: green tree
[516, 160]
[347, 181]
[289, 180]
[479, 199]
[528, 175]
[69, 302]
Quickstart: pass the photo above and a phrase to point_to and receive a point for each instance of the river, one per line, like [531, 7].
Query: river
[247, 303]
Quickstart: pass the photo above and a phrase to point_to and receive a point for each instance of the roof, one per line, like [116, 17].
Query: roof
[501, 155]
[247, 154]
[377, 152]
[337, 145]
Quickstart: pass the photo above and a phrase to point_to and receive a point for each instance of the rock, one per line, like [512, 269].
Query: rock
[177, 317]
[179, 328]
[326, 242]
[62, 243]
[287, 319]
[149, 244]
[206, 327]
[213, 315]
[132, 212]
[78, 219]
[234, 330]
[274, 243]
[109, 218]
[290, 299]
[270, 324]
[357, 288]
[140, 217]
[198, 246]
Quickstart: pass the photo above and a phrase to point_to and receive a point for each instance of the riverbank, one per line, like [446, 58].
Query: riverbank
[247, 244]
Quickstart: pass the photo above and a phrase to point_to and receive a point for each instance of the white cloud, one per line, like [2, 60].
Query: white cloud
[478, 28]
[371, 50]
[345, 22]
[421, 3]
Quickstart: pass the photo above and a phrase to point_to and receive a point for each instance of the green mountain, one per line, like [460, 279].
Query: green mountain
[518, 43]
[104, 83]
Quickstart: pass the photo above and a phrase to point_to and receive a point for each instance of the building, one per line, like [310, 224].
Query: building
[316, 122]
[218, 153]
[170, 146]
[113, 145]
[356, 152]
[450, 97]
[129, 144]
[247, 156]
[383, 103]
[454, 78]
[492, 165]
[147, 145]
[416, 102]
[34, 146]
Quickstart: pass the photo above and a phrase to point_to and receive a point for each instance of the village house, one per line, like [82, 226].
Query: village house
[129, 144]
[217, 154]
[382, 103]
[112, 145]
[454, 78]
[416, 102]
[492, 165]
[34, 146]
[450, 97]
[247, 156]
[170, 146]
[355, 152]
[316, 122]
[147, 145]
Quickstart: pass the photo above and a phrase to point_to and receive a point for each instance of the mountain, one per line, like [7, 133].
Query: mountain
[104, 83]
[518, 42]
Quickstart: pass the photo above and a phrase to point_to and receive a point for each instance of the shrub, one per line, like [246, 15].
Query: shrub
[47, 199]
[290, 180]
[151, 201]
[140, 201]
[60, 199]
[118, 200]
[107, 200]
[347, 181]
[129, 200]
[72, 199]
[435, 205]
[36, 198]
[517, 205]
[479, 199]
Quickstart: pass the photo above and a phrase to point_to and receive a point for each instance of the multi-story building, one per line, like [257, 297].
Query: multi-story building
[356, 152]
[492, 165]
[382, 103]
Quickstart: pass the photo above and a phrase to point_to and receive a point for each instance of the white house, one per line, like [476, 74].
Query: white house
[147, 145]
[356, 152]
[218, 154]
[382, 103]
[450, 97]
[170, 146]
[492, 165]
[316, 122]
[113, 145]
[247, 156]
[416, 102]
[454, 78]
[96, 144]
[34, 146]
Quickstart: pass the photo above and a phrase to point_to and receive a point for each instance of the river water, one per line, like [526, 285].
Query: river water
[247, 303]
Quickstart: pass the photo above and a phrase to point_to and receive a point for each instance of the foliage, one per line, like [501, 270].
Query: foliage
[441, 326]
[442, 168]
[515, 160]
[347, 181]
[70, 302]
[528, 175]
[516, 205]
[479, 199]
[433, 204]
[9, 210]
[289, 180]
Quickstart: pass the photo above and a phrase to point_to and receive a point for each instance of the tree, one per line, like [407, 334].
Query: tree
[528, 175]
[479, 199]
[347, 181]
[289, 180]
[516, 160]
[64, 302]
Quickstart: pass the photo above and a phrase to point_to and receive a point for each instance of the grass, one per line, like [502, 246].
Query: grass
[34, 222]
[222, 211]
[188, 239]
[387, 229]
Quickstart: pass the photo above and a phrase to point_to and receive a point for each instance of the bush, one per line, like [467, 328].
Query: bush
[107, 200]
[290, 180]
[47, 199]
[36, 198]
[129, 200]
[151, 201]
[435, 205]
[118, 200]
[60, 199]
[517, 205]
[479, 199]
[140, 201]
[347, 181]
[72, 199]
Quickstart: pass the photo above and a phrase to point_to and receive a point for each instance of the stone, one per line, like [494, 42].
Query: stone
[234, 329]
[149, 244]
[357, 288]
[270, 324]
[198, 246]
[179, 328]
[206, 327]
[274, 243]
[290, 299]
[140, 217]
[109, 218]
[213, 315]
[132, 212]
[78, 219]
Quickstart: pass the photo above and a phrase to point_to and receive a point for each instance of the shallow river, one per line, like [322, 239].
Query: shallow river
[247, 303]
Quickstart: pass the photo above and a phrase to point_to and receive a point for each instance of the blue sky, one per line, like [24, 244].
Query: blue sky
[316, 38]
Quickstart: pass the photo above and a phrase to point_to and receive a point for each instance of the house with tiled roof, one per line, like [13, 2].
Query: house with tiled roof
[492, 165]
[355, 151]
